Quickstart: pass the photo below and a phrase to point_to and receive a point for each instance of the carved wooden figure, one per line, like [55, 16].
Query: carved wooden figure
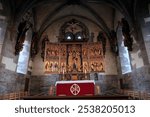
[22, 29]
[128, 41]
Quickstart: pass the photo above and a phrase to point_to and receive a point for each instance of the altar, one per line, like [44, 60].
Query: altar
[75, 88]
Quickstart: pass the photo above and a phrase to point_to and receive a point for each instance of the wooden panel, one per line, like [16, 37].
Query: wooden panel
[74, 58]
[74, 77]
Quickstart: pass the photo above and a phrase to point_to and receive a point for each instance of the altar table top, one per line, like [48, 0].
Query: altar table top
[75, 88]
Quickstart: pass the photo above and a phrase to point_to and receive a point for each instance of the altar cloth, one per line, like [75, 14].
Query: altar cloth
[75, 88]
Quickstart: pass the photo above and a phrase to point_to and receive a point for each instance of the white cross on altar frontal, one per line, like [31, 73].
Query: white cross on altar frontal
[75, 88]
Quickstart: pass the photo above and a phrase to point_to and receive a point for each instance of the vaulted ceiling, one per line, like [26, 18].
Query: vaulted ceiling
[45, 12]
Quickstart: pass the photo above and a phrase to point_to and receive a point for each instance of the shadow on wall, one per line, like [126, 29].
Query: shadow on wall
[10, 81]
[139, 80]
[41, 84]
[108, 84]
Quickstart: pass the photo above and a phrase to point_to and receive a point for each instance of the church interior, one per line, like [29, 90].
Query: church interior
[74, 49]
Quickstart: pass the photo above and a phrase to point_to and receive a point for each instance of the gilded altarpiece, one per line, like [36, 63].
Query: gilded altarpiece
[74, 58]
[96, 57]
[85, 57]
[63, 58]
[52, 58]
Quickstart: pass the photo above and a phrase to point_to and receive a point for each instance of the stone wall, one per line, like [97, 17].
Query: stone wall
[143, 27]
[40, 85]
[3, 26]
[10, 81]
[108, 84]
[139, 79]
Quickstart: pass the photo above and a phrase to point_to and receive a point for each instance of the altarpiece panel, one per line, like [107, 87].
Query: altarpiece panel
[74, 58]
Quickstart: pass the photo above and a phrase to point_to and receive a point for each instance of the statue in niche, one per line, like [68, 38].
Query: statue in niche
[75, 68]
[44, 41]
[74, 61]
[73, 58]
[101, 38]
[63, 67]
[23, 27]
[128, 41]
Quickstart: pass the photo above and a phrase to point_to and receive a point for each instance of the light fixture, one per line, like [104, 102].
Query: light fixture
[79, 37]
[68, 37]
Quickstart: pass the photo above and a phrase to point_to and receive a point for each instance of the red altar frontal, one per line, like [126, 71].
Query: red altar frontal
[75, 88]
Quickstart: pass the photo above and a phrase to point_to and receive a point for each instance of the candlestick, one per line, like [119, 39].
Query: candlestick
[85, 71]
[85, 74]
[63, 75]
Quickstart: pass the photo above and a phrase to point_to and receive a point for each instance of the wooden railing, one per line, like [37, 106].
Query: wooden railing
[141, 95]
[132, 94]
[14, 95]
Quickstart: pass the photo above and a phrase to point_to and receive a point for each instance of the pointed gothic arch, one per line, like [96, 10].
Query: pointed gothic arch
[74, 27]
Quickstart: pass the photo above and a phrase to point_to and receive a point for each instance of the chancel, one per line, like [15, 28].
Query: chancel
[74, 49]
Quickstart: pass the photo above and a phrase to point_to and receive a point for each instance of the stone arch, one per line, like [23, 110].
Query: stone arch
[73, 22]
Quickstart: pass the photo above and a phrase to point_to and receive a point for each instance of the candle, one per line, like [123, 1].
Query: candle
[85, 71]
[52, 68]
[63, 71]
